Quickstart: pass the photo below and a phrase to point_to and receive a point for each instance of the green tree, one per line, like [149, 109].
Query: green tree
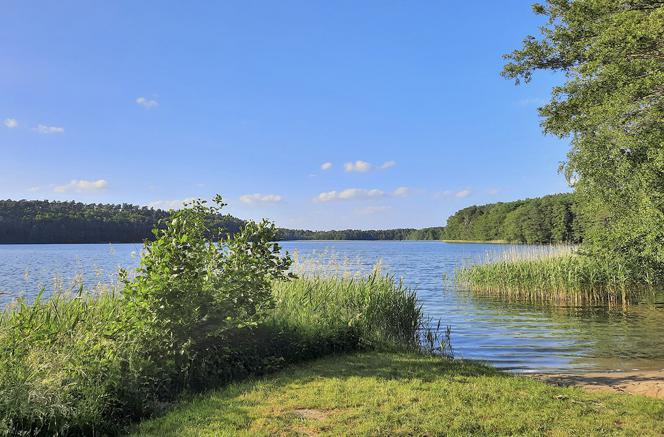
[611, 105]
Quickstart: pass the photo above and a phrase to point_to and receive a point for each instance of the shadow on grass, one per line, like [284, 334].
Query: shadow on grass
[229, 408]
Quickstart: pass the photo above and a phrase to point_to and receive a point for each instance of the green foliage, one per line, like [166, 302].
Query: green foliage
[199, 313]
[355, 234]
[612, 107]
[381, 312]
[433, 233]
[560, 275]
[545, 220]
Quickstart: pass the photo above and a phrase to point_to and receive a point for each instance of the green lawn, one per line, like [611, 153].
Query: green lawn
[405, 394]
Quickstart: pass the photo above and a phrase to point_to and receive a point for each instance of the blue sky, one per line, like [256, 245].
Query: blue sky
[155, 102]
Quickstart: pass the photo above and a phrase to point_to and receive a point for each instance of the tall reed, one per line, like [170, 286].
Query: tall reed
[554, 273]
[77, 363]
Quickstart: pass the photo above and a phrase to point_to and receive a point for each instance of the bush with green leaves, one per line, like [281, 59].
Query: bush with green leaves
[195, 288]
[199, 312]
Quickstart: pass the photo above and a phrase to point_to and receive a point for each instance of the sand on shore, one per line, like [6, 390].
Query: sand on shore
[645, 383]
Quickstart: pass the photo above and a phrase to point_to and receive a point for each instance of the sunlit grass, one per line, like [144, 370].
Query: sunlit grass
[382, 394]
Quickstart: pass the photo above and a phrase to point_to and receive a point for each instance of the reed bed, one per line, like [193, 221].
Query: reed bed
[77, 363]
[382, 312]
[557, 273]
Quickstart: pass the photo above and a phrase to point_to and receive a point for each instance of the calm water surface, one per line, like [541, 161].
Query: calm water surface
[518, 336]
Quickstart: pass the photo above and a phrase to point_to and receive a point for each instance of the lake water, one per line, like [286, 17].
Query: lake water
[517, 336]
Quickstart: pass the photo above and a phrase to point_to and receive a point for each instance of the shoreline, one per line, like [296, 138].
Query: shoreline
[648, 383]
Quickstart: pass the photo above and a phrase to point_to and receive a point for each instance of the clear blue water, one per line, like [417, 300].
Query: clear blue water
[511, 335]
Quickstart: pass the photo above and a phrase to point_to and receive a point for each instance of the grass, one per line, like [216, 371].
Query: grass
[384, 312]
[382, 394]
[70, 364]
[558, 273]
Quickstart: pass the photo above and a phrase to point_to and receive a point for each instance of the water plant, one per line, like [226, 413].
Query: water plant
[555, 273]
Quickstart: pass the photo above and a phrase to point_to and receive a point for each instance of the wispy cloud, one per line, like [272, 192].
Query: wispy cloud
[81, 185]
[358, 166]
[493, 191]
[260, 198]
[46, 130]
[349, 194]
[463, 193]
[11, 123]
[401, 192]
[170, 204]
[147, 103]
[371, 210]
[326, 166]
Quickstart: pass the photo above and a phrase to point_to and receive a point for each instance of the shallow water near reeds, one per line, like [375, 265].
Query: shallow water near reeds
[509, 334]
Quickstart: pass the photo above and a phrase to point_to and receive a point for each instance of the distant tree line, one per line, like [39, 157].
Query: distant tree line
[355, 234]
[543, 220]
[43, 221]
[549, 219]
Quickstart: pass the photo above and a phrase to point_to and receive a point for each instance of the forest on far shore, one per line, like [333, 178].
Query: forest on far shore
[548, 219]
[43, 222]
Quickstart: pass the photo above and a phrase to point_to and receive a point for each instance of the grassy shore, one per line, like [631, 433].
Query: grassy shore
[70, 364]
[385, 394]
[559, 273]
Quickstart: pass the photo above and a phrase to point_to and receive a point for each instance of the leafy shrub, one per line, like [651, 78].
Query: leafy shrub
[199, 312]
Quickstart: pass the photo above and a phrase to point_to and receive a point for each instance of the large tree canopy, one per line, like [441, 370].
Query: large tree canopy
[611, 105]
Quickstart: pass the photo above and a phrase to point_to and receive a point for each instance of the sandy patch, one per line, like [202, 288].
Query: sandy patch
[312, 414]
[646, 383]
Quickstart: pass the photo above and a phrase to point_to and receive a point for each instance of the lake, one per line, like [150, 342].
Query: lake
[516, 336]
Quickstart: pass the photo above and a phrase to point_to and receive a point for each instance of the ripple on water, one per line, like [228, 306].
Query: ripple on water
[511, 335]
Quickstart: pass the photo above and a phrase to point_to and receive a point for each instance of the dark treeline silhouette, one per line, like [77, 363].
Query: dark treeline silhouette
[548, 219]
[355, 234]
[542, 220]
[43, 221]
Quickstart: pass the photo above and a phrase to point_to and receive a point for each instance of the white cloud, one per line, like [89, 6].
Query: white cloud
[81, 185]
[349, 194]
[170, 204]
[43, 129]
[493, 191]
[11, 123]
[364, 166]
[326, 166]
[358, 166]
[463, 193]
[401, 192]
[260, 198]
[326, 196]
[147, 103]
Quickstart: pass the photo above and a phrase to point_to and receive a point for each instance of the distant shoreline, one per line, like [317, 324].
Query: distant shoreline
[480, 241]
